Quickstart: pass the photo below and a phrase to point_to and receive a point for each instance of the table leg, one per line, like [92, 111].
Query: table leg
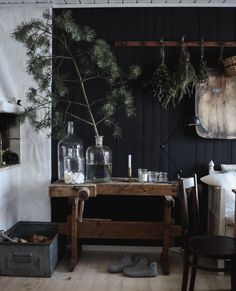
[79, 219]
[168, 203]
[235, 218]
[74, 234]
[233, 273]
[76, 217]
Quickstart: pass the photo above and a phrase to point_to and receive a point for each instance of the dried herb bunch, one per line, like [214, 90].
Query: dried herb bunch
[202, 76]
[185, 76]
[162, 83]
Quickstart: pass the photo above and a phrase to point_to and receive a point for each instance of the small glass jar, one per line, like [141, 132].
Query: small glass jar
[98, 162]
[142, 175]
[74, 168]
[163, 177]
[152, 176]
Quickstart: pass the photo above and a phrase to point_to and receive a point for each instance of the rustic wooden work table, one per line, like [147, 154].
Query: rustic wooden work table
[77, 227]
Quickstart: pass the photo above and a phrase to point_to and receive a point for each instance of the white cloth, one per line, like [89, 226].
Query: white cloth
[226, 181]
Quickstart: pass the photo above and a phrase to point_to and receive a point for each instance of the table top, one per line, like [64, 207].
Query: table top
[117, 186]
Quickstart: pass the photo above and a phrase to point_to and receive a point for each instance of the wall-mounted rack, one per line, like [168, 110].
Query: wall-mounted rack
[176, 43]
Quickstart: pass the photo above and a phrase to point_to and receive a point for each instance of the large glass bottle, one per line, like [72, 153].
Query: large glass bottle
[69, 145]
[98, 162]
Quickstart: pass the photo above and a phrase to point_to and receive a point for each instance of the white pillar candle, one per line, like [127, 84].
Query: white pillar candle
[129, 161]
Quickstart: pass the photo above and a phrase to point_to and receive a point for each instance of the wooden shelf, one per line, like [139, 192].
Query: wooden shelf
[175, 43]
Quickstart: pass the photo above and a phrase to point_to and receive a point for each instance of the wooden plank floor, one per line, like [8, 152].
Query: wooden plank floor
[91, 275]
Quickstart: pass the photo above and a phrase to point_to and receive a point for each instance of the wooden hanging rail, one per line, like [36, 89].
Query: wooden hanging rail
[176, 43]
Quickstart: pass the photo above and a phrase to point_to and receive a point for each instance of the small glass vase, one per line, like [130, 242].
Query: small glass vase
[98, 162]
[70, 145]
[74, 168]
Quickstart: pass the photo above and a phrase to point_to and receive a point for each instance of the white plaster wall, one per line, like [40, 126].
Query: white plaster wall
[30, 189]
[9, 184]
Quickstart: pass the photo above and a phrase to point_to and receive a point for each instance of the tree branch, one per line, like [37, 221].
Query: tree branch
[67, 108]
[84, 91]
[79, 118]
[98, 100]
[104, 118]
[94, 77]
[76, 103]
[72, 81]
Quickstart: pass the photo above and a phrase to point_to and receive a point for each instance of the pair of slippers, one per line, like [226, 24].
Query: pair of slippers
[134, 266]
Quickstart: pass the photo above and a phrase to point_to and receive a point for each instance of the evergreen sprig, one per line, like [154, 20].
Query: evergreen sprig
[91, 59]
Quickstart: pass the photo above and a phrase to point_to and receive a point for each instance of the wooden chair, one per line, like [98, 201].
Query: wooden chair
[202, 246]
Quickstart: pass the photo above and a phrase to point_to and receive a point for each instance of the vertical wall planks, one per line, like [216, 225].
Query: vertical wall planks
[143, 135]
[147, 32]
[139, 99]
[152, 125]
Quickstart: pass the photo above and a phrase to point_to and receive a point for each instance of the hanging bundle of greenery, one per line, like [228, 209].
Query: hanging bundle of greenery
[203, 76]
[89, 58]
[185, 76]
[162, 82]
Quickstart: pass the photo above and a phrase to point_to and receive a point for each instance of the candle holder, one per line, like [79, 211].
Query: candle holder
[129, 173]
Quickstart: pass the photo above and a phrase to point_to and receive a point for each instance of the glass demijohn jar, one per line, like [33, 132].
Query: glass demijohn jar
[98, 162]
[72, 147]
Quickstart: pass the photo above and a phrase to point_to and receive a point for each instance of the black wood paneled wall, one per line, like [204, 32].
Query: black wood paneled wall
[143, 135]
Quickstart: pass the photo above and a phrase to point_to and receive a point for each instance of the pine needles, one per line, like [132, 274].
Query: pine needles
[90, 59]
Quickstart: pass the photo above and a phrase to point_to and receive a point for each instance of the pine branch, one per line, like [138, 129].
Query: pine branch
[109, 115]
[97, 101]
[84, 91]
[79, 118]
[92, 60]
[70, 81]
[75, 103]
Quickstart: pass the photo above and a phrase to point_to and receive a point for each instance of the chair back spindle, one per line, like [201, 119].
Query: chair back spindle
[189, 192]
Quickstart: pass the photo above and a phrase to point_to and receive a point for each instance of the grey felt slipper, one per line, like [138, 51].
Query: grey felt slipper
[142, 269]
[126, 261]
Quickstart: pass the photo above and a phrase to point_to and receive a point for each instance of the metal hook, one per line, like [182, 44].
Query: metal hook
[162, 50]
[221, 56]
[183, 45]
[162, 42]
[221, 49]
[202, 48]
